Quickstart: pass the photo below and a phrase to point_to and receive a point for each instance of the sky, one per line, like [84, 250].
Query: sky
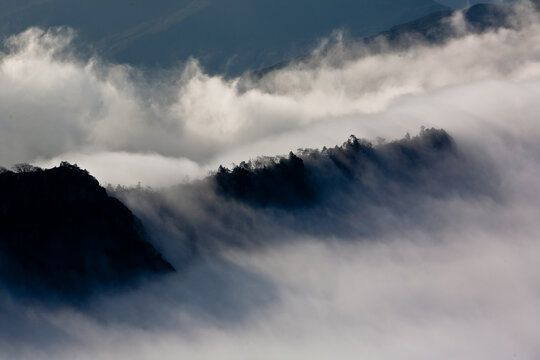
[438, 263]
[226, 36]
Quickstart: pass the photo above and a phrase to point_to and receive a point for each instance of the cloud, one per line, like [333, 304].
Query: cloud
[56, 103]
[132, 169]
[440, 265]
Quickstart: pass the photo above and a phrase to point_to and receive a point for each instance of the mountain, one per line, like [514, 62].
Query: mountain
[358, 188]
[460, 4]
[60, 233]
[434, 28]
[358, 165]
[437, 27]
[225, 35]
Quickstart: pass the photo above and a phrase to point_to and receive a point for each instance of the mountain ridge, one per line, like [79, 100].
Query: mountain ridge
[61, 233]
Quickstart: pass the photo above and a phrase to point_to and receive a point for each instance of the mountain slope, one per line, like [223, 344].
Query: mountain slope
[434, 28]
[61, 233]
[437, 27]
[460, 4]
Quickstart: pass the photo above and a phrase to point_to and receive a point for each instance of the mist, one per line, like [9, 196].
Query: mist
[61, 106]
[417, 238]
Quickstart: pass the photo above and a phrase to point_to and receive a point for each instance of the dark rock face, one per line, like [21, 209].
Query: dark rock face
[60, 232]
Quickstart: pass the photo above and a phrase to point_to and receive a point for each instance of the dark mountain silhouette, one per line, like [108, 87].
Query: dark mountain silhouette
[307, 178]
[459, 4]
[283, 181]
[355, 190]
[437, 27]
[60, 233]
[229, 36]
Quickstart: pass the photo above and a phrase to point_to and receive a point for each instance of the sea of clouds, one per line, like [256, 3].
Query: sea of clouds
[448, 273]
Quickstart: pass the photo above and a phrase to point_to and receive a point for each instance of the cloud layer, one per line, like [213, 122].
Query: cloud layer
[442, 266]
[56, 105]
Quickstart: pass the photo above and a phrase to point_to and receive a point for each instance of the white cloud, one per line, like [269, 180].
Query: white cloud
[468, 288]
[131, 169]
[53, 103]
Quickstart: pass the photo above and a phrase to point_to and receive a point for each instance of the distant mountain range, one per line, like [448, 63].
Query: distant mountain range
[437, 27]
[228, 36]
[434, 28]
[64, 237]
[460, 4]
